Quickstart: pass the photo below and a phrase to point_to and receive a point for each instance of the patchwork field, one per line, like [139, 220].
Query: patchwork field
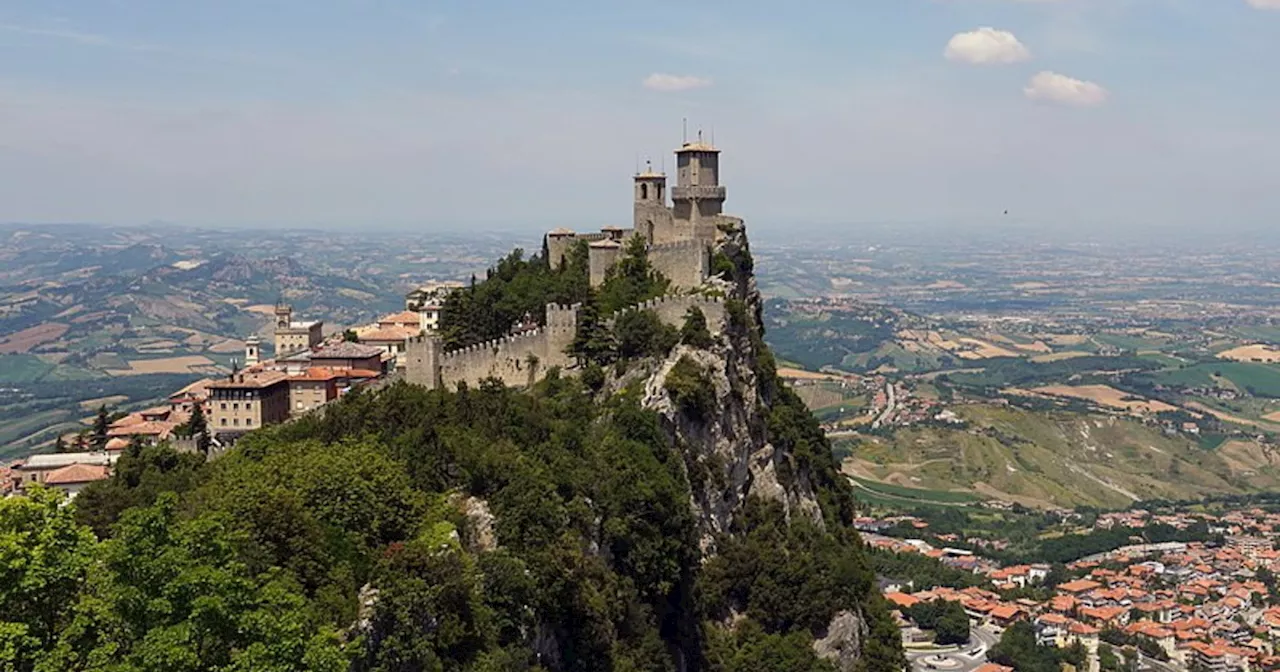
[1256, 352]
[186, 364]
[22, 341]
[1105, 395]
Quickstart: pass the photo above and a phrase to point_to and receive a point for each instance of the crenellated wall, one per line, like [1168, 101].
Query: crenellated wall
[517, 359]
[671, 310]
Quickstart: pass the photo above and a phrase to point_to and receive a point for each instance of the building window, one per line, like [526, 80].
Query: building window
[235, 407]
[235, 422]
[224, 422]
[224, 405]
[248, 422]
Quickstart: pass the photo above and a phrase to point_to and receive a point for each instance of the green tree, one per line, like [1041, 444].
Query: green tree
[101, 424]
[641, 333]
[632, 280]
[171, 594]
[691, 388]
[44, 558]
[952, 626]
[198, 427]
[593, 341]
[349, 335]
[59, 446]
[694, 332]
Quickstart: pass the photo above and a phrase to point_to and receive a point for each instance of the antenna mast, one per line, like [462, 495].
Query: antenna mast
[684, 130]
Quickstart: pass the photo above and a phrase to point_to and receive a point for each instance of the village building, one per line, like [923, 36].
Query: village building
[293, 335]
[246, 401]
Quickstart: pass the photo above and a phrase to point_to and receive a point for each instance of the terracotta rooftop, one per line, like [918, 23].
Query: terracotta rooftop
[200, 388]
[77, 473]
[402, 317]
[1078, 586]
[396, 333]
[158, 428]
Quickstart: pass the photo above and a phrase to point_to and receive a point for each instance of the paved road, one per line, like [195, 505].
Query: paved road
[965, 659]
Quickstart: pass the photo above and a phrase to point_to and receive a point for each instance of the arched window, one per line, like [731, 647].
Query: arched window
[644, 192]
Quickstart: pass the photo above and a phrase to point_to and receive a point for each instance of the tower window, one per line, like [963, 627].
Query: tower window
[644, 192]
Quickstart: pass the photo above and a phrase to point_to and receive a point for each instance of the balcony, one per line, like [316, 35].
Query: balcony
[698, 193]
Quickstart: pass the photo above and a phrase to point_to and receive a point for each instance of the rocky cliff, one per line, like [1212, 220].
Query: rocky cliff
[734, 450]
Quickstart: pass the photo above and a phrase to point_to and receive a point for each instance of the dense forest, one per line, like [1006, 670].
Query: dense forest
[478, 529]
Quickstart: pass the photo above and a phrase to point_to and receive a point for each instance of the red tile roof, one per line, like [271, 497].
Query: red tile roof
[77, 473]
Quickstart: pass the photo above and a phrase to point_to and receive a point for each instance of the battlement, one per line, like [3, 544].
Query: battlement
[495, 344]
[684, 301]
[671, 309]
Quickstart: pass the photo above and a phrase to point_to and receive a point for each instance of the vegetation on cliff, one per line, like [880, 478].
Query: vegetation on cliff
[484, 528]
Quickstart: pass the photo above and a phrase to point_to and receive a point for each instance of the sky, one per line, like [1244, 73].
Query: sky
[1110, 114]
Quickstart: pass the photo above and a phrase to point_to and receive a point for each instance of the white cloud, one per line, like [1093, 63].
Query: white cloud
[1056, 88]
[1264, 4]
[986, 46]
[660, 81]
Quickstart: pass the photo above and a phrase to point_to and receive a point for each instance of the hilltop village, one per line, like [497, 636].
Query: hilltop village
[310, 366]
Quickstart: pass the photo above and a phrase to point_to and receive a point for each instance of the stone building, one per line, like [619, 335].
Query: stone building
[678, 234]
[294, 336]
[247, 401]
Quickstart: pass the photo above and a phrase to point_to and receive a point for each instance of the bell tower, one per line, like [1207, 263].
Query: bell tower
[650, 211]
[284, 315]
[252, 350]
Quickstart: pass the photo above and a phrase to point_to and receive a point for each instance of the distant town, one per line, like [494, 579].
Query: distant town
[1172, 605]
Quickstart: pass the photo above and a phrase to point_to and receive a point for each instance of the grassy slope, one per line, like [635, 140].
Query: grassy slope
[1062, 459]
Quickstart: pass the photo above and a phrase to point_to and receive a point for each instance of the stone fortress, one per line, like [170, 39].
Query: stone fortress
[679, 238]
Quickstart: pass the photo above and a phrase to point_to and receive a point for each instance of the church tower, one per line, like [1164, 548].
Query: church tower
[252, 351]
[652, 218]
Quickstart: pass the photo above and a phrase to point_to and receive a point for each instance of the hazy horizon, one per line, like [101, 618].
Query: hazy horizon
[1119, 117]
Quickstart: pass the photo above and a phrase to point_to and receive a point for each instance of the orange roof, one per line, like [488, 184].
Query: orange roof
[1102, 613]
[77, 473]
[902, 600]
[117, 443]
[1054, 619]
[157, 428]
[1078, 586]
[1005, 611]
[992, 667]
[402, 317]
[390, 334]
[1079, 628]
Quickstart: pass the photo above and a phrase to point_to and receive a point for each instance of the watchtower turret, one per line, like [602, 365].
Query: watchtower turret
[697, 194]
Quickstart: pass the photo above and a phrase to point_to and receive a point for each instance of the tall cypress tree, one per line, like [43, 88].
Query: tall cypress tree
[100, 426]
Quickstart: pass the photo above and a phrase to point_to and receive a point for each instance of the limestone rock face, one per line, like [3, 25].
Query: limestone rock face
[727, 452]
[843, 643]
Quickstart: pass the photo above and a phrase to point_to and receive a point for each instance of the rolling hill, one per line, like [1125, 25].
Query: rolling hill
[1059, 459]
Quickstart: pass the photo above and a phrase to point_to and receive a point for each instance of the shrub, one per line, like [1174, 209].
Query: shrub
[690, 387]
[695, 333]
[640, 333]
